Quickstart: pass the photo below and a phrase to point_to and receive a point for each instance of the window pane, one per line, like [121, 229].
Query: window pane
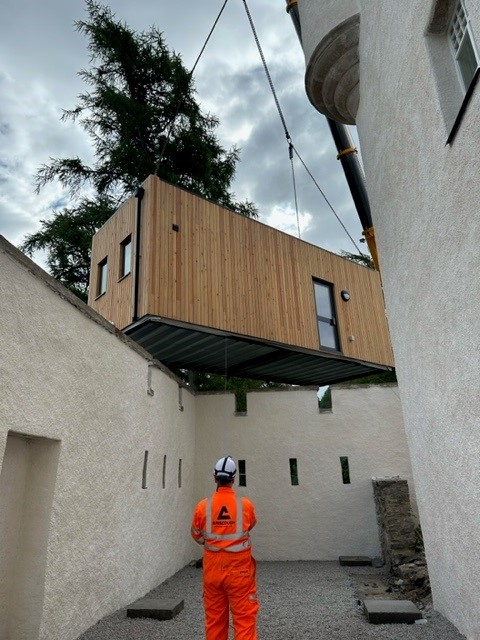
[467, 60]
[323, 300]
[345, 469]
[102, 277]
[293, 471]
[242, 479]
[127, 257]
[328, 335]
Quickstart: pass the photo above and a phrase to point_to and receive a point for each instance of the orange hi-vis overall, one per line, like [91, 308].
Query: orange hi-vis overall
[222, 524]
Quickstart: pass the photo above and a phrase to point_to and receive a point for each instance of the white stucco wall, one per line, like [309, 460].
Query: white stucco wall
[425, 207]
[66, 377]
[79, 537]
[321, 518]
[424, 197]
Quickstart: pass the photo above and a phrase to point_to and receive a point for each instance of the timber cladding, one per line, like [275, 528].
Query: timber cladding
[205, 265]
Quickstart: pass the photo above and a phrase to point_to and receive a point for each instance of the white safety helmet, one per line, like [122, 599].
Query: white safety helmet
[225, 468]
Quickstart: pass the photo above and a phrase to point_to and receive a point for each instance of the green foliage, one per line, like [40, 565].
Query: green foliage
[419, 544]
[215, 382]
[140, 113]
[142, 118]
[67, 239]
[345, 469]
[359, 258]
[325, 402]
[377, 378]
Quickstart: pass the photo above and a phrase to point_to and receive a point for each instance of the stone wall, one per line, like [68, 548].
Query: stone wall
[397, 531]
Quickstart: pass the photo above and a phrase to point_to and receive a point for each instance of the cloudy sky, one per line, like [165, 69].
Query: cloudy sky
[41, 53]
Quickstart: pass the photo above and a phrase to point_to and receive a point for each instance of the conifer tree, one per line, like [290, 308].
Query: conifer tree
[142, 118]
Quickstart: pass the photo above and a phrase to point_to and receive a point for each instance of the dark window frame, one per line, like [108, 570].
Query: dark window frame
[293, 463]
[345, 467]
[101, 266]
[333, 321]
[242, 473]
[122, 267]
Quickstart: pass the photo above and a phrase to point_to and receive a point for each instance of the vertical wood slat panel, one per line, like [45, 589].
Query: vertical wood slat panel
[116, 303]
[223, 271]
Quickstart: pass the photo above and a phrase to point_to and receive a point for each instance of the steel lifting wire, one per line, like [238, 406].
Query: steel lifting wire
[190, 74]
[291, 147]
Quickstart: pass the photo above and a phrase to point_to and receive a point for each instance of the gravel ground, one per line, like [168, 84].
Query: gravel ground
[299, 601]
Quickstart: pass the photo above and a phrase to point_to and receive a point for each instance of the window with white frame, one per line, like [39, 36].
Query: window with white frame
[454, 57]
[463, 45]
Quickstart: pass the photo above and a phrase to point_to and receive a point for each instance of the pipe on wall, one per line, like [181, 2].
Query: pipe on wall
[139, 193]
[347, 154]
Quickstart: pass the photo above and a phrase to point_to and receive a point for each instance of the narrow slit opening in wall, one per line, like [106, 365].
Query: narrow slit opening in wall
[144, 472]
[164, 471]
[242, 474]
[293, 471]
[180, 473]
[241, 401]
[345, 469]
[180, 398]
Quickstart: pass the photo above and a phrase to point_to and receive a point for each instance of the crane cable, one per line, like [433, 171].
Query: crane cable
[291, 147]
[190, 74]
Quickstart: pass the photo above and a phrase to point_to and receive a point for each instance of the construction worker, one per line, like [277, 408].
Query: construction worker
[222, 525]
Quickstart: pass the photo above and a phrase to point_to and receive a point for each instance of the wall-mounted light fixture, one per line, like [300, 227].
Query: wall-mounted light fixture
[345, 295]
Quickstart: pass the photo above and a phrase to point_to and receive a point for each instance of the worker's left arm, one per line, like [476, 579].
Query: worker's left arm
[250, 513]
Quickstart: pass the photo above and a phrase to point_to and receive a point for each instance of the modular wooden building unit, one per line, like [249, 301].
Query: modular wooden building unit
[201, 287]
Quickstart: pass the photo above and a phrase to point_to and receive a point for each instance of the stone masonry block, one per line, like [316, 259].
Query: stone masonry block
[164, 609]
[355, 561]
[391, 611]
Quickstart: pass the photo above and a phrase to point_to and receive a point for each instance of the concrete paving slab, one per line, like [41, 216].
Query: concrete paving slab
[355, 561]
[391, 611]
[164, 609]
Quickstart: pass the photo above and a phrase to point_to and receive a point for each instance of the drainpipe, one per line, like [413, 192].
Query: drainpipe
[139, 193]
[347, 154]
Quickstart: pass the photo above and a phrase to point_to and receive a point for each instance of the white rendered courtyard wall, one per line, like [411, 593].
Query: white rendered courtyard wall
[424, 196]
[80, 406]
[79, 537]
[320, 518]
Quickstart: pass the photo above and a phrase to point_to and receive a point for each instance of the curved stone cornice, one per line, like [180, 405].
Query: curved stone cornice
[332, 75]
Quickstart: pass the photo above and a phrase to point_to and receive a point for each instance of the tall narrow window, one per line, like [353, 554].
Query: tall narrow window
[126, 256]
[102, 277]
[327, 322]
[242, 474]
[345, 469]
[463, 45]
[180, 472]
[293, 471]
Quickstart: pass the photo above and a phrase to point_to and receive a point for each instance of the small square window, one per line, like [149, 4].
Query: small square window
[102, 277]
[126, 256]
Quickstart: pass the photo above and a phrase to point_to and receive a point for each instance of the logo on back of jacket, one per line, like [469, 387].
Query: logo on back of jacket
[223, 518]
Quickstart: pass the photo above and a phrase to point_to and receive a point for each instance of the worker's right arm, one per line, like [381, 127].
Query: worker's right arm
[198, 522]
